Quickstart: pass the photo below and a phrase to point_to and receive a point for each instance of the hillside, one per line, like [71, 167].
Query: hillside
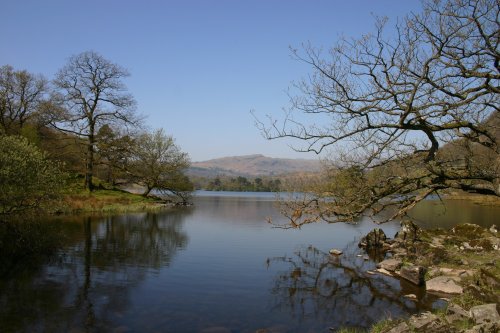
[251, 166]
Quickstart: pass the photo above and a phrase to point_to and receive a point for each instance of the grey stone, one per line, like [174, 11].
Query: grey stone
[485, 328]
[412, 297]
[456, 313]
[383, 271]
[486, 313]
[422, 321]
[400, 328]
[390, 264]
[414, 274]
[335, 252]
[444, 284]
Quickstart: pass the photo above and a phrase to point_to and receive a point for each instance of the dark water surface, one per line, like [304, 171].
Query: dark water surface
[214, 267]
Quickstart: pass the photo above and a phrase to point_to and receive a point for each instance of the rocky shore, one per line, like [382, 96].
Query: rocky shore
[460, 265]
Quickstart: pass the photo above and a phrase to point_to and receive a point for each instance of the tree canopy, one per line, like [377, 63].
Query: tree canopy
[403, 115]
[158, 163]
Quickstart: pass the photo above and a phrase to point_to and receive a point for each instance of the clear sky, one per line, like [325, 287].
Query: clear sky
[197, 67]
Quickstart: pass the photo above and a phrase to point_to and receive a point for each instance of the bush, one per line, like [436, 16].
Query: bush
[27, 177]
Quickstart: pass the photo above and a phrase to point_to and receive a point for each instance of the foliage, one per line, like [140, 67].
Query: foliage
[158, 163]
[406, 116]
[114, 152]
[28, 179]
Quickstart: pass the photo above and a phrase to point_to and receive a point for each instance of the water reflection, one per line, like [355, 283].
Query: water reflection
[446, 214]
[86, 288]
[339, 289]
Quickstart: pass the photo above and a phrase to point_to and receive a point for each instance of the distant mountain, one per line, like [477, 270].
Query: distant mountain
[252, 166]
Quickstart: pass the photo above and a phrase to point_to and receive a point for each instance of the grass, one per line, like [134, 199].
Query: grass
[383, 326]
[105, 199]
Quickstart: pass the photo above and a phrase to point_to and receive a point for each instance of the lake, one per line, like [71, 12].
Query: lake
[214, 267]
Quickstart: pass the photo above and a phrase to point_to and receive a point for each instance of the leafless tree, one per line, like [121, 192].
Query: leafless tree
[22, 98]
[406, 114]
[92, 90]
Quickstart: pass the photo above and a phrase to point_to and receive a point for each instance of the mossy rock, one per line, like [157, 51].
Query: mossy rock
[468, 231]
[484, 243]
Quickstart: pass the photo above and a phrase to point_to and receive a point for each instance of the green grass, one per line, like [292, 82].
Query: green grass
[105, 199]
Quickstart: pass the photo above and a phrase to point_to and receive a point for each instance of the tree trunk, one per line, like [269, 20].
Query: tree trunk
[89, 172]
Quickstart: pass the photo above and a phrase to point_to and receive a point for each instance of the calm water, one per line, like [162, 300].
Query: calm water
[214, 267]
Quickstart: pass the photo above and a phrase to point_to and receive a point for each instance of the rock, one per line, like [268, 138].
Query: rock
[467, 230]
[461, 273]
[383, 271]
[335, 252]
[414, 274]
[493, 229]
[482, 244]
[400, 328]
[456, 313]
[422, 321]
[412, 297]
[485, 328]
[409, 232]
[466, 246]
[444, 284]
[374, 239]
[486, 313]
[390, 264]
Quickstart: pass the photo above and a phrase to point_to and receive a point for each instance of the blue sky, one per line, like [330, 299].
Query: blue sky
[197, 67]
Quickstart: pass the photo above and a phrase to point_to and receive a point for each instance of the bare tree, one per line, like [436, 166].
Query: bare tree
[94, 94]
[22, 98]
[386, 106]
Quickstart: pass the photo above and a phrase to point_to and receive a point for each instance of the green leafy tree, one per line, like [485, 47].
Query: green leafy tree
[27, 178]
[385, 106]
[158, 163]
[114, 151]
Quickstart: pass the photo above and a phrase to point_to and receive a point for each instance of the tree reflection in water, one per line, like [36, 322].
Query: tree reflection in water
[87, 287]
[338, 290]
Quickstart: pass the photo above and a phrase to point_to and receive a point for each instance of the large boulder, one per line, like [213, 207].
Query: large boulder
[391, 264]
[486, 313]
[374, 239]
[444, 285]
[414, 274]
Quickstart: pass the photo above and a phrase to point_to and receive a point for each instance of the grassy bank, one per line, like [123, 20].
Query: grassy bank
[105, 199]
